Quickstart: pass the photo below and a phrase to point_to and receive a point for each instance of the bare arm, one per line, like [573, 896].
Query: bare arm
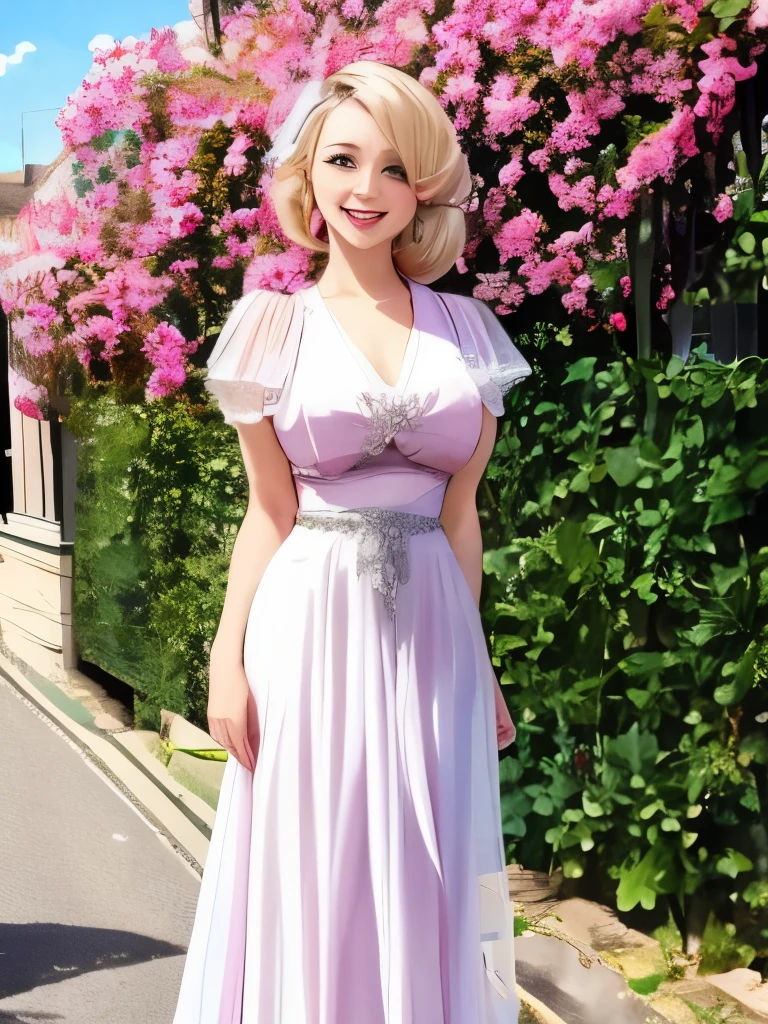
[459, 514]
[268, 520]
[462, 528]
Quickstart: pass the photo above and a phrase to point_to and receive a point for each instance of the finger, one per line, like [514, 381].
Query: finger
[229, 742]
[248, 750]
[244, 754]
[215, 731]
[236, 745]
[219, 734]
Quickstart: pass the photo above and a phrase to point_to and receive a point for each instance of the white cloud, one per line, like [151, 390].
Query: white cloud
[17, 56]
[186, 31]
[101, 42]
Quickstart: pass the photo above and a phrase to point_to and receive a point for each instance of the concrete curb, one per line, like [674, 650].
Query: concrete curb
[163, 809]
[543, 1014]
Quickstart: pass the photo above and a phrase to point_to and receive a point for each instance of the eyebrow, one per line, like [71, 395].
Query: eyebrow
[352, 145]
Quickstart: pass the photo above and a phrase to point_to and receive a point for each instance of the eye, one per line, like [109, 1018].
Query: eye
[400, 171]
[337, 156]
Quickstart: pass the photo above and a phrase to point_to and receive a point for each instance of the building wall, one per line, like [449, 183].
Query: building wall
[36, 530]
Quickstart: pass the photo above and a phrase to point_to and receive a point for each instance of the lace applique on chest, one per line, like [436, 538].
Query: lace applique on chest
[389, 416]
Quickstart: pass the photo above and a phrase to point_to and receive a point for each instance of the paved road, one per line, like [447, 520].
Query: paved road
[95, 908]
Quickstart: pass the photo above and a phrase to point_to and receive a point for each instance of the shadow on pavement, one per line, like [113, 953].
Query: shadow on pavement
[577, 992]
[27, 1017]
[43, 954]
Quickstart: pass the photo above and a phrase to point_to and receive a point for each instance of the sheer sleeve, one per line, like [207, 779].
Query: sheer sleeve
[492, 361]
[254, 354]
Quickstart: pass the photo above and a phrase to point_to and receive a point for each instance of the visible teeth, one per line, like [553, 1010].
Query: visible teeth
[363, 216]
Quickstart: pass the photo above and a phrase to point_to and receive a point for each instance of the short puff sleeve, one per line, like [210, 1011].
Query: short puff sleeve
[492, 361]
[254, 355]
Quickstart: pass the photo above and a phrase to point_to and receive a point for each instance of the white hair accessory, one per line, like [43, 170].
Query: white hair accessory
[284, 141]
[452, 186]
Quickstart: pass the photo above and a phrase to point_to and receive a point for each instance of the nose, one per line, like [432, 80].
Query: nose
[365, 186]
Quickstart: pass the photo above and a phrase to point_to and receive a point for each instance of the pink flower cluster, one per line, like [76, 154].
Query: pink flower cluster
[166, 350]
[574, 72]
[168, 203]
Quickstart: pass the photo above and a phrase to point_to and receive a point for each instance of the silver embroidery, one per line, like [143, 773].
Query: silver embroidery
[382, 542]
[305, 470]
[389, 416]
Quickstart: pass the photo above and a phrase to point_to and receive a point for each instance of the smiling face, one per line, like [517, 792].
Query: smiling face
[356, 173]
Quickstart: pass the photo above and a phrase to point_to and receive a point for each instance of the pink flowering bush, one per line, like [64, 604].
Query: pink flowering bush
[578, 119]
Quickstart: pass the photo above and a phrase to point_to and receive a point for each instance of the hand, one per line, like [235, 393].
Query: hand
[232, 718]
[505, 729]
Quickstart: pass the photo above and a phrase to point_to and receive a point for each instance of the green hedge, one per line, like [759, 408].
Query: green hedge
[627, 602]
[161, 492]
[626, 598]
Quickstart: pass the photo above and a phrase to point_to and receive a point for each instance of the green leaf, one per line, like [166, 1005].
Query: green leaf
[582, 369]
[543, 407]
[543, 805]
[732, 863]
[694, 435]
[623, 465]
[757, 477]
[670, 825]
[591, 807]
[522, 924]
[639, 698]
[728, 8]
[756, 895]
[742, 682]
[747, 241]
[504, 644]
[573, 867]
[756, 745]
[595, 523]
[650, 809]
[515, 806]
[652, 876]
[675, 366]
[573, 814]
[638, 750]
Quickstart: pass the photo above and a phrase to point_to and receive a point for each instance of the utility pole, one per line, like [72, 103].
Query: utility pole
[39, 110]
[212, 8]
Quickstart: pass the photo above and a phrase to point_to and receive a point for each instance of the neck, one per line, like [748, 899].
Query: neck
[356, 272]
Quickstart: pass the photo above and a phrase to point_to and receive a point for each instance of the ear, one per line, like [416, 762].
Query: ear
[317, 226]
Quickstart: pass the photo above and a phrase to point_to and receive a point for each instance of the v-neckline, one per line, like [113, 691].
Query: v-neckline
[409, 356]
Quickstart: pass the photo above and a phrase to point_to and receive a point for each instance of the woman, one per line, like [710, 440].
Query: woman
[356, 869]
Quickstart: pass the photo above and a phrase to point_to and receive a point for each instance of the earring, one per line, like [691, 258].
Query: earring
[418, 228]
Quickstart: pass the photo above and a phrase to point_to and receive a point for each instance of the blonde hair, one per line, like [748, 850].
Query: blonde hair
[414, 123]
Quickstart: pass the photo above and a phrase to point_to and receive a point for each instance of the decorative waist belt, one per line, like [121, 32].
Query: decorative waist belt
[382, 542]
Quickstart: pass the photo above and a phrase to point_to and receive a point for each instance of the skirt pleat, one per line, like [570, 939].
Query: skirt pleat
[352, 875]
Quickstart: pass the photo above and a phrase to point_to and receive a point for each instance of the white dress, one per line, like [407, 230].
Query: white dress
[357, 876]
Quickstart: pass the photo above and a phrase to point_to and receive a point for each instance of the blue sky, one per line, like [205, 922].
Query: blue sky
[60, 33]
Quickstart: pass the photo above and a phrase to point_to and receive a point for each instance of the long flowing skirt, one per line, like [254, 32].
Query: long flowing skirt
[357, 875]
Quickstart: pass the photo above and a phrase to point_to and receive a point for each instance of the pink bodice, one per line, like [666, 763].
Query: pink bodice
[352, 439]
